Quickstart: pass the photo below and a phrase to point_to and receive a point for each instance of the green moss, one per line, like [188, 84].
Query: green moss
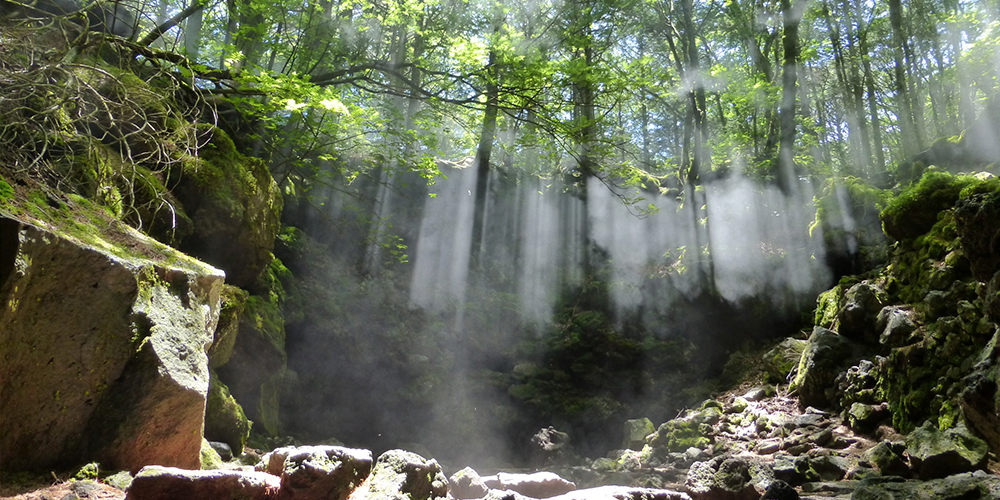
[827, 306]
[680, 434]
[225, 420]
[915, 210]
[6, 192]
[266, 317]
[210, 458]
[89, 471]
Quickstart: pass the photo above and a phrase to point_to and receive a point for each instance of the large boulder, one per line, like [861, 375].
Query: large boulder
[535, 485]
[826, 354]
[857, 317]
[169, 483]
[104, 338]
[308, 472]
[935, 453]
[402, 475]
[721, 478]
[467, 484]
[234, 204]
[636, 431]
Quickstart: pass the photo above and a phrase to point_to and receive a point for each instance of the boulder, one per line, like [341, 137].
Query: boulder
[308, 472]
[934, 453]
[104, 345]
[402, 475]
[957, 487]
[635, 433]
[896, 324]
[824, 357]
[224, 418]
[780, 490]
[549, 445]
[234, 204]
[466, 484]
[536, 485]
[721, 478]
[887, 457]
[780, 361]
[856, 319]
[168, 483]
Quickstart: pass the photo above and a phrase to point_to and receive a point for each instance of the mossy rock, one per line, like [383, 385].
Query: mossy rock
[235, 206]
[680, 434]
[914, 211]
[224, 418]
[233, 302]
[210, 459]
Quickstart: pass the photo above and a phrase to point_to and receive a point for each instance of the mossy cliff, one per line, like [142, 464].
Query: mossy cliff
[107, 326]
[925, 323]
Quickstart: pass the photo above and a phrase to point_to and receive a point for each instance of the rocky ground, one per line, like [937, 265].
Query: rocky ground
[747, 445]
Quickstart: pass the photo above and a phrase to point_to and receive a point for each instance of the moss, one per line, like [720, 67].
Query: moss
[680, 434]
[266, 317]
[915, 209]
[210, 459]
[225, 420]
[89, 471]
[270, 401]
[6, 192]
[827, 306]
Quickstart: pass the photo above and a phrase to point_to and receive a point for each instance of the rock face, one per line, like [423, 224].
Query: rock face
[169, 483]
[103, 349]
[402, 475]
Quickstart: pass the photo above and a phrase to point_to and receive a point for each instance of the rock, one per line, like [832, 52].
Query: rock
[980, 397]
[896, 324]
[823, 358]
[233, 303]
[759, 393]
[721, 479]
[466, 484]
[224, 418]
[679, 434]
[957, 487]
[401, 475]
[121, 480]
[224, 450]
[780, 490]
[103, 349]
[739, 405]
[935, 454]
[307, 472]
[780, 361]
[549, 445]
[257, 364]
[234, 204]
[168, 483]
[622, 493]
[977, 221]
[636, 432]
[210, 459]
[830, 467]
[857, 317]
[865, 418]
[887, 457]
[536, 485]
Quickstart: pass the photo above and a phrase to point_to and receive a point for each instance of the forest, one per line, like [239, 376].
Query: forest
[442, 225]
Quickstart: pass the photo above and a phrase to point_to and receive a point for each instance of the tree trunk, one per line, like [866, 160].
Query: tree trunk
[483, 153]
[791, 15]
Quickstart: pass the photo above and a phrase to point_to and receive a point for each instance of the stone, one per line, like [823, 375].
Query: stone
[956, 487]
[225, 421]
[535, 485]
[235, 206]
[467, 484]
[307, 472]
[934, 453]
[856, 319]
[104, 349]
[233, 302]
[865, 417]
[783, 358]
[168, 483]
[210, 458]
[829, 467]
[825, 355]
[549, 445]
[780, 490]
[679, 434]
[224, 450]
[402, 475]
[887, 457]
[896, 324]
[635, 433]
[980, 397]
[721, 478]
